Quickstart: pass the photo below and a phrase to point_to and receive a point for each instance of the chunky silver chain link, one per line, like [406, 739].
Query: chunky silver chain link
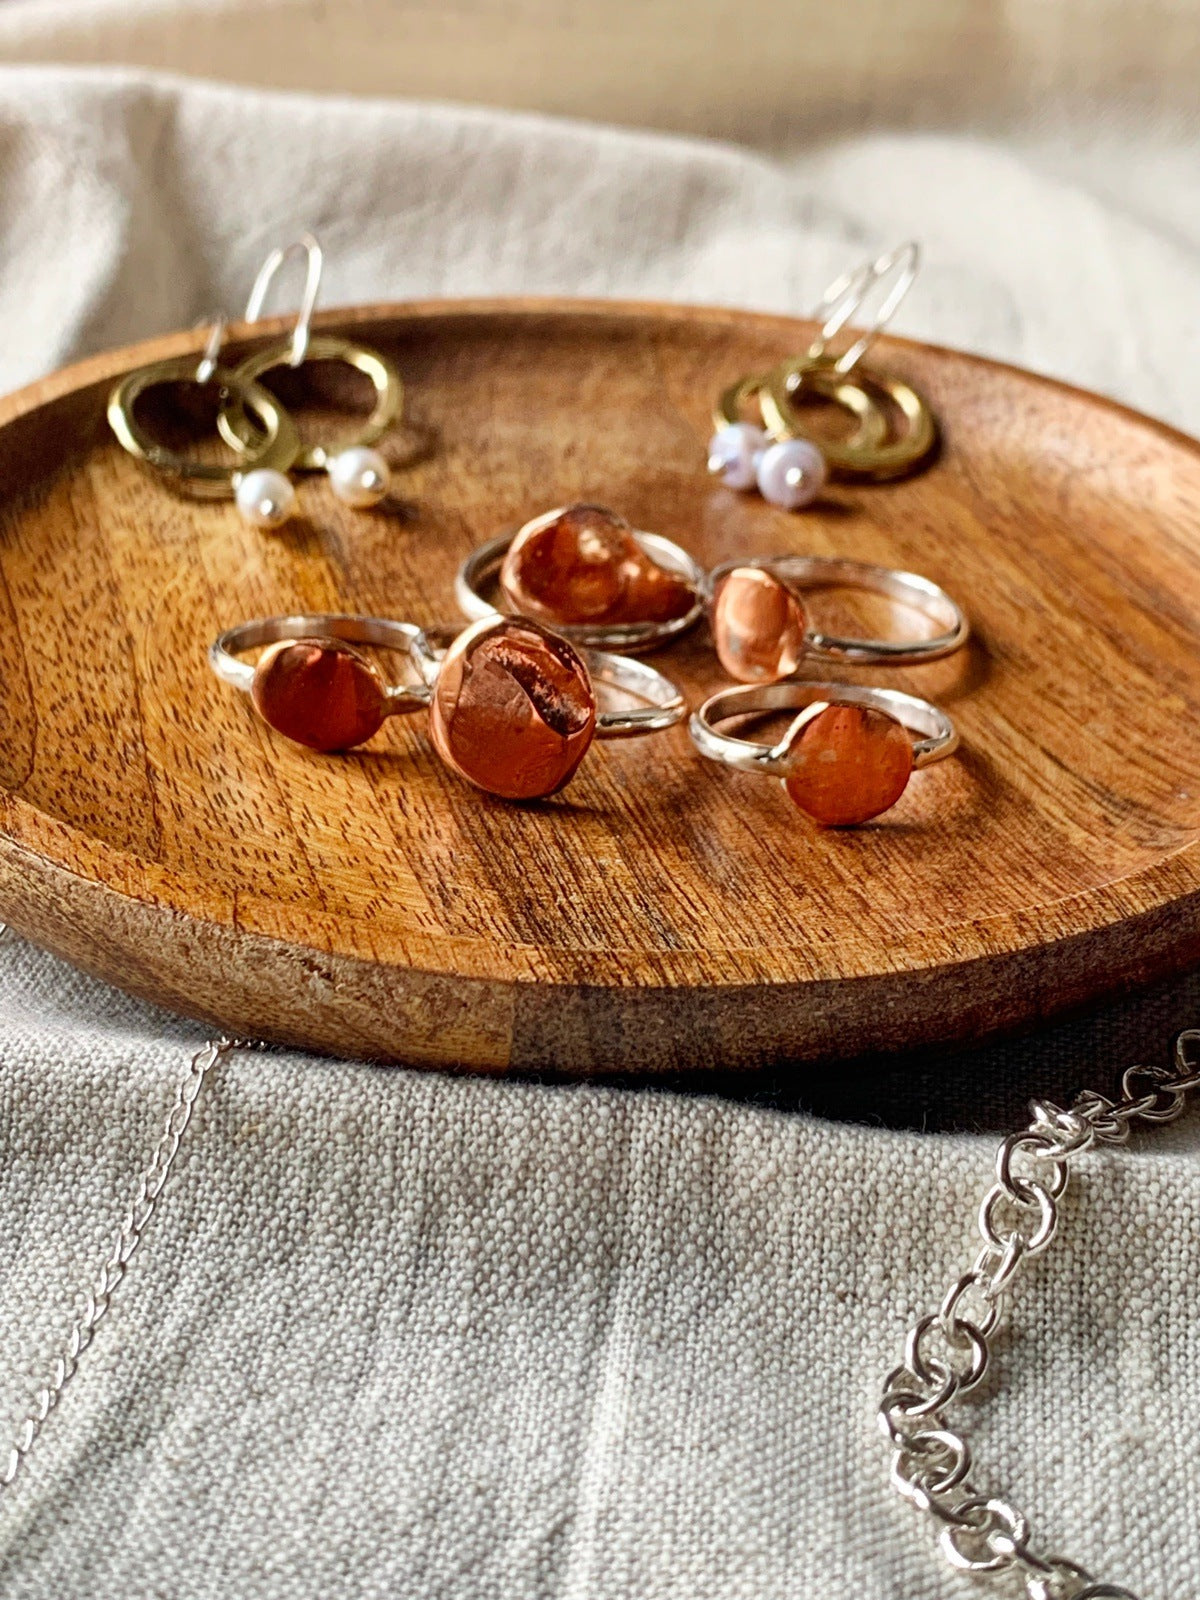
[948, 1352]
[125, 1241]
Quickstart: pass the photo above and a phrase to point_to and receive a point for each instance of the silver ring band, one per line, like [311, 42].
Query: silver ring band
[906, 588]
[403, 637]
[617, 678]
[939, 736]
[614, 678]
[476, 580]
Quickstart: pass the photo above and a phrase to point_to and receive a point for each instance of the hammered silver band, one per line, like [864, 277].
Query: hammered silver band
[618, 680]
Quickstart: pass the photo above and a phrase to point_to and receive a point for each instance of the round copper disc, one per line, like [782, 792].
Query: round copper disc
[319, 692]
[852, 762]
[759, 626]
[513, 710]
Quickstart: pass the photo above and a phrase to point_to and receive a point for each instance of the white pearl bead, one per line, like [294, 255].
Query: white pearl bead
[360, 476]
[265, 497]
[733, 452]
[792, 473]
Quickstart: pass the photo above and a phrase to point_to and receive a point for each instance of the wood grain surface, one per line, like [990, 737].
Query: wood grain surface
[661, 913]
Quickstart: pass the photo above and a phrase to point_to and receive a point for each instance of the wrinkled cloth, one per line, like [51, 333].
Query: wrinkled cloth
[398, 1334]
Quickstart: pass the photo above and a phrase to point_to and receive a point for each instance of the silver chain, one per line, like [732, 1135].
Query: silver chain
[948, 1353]
[125, 1241]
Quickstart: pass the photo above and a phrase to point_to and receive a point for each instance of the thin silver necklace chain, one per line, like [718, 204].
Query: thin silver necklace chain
[125, 1241]
[947, 1352]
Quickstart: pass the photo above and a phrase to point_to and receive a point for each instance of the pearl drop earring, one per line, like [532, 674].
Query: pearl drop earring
[733, 453]
[358, 474]
[265, 498]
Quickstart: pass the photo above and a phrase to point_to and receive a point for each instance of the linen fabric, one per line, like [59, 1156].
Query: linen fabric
[397, 1334]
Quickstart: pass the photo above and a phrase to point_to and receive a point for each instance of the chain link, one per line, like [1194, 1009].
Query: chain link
[947, 1353]
[125, 1241]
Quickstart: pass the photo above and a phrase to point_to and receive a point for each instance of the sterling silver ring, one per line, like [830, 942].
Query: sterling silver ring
[846, 756]
[761, 627]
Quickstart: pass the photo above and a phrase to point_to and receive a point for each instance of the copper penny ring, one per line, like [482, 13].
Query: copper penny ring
[635, 571]
[513, 707]
[762, 631]
[845, 758]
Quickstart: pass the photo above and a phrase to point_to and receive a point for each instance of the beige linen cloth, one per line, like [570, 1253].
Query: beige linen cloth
[398, 1335]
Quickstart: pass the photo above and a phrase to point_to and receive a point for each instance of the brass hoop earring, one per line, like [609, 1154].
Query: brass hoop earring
[258, 483]
[788, 466]
[792, 470]
[877, 461]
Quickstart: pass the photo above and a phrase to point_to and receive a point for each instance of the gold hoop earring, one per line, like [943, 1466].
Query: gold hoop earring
[780, 457]
[893, 457]
[259, 482]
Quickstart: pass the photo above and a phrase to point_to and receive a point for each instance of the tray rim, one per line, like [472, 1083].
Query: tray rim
[1169, 884]
[505, 1014]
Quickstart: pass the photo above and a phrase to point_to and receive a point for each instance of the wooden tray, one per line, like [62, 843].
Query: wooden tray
[661, 914]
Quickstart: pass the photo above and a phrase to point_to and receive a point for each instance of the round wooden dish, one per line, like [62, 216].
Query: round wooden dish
[661, 913]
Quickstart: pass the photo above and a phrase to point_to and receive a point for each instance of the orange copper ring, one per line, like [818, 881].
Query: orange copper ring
[847, 754]
[761, 627]
[643, 589]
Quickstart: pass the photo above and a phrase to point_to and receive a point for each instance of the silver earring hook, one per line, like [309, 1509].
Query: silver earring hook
[210, 360]
[307, 245]
[845, 296]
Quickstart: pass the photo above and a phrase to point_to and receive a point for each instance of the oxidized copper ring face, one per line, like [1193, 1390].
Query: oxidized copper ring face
[850, 763]
[583, 566]
[320, 692]
[759, 626]
[513, 709]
